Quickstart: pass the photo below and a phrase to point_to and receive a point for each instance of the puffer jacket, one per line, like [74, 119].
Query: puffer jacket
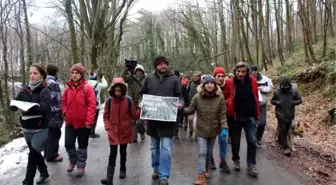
[266, 86]
[42, 113]
[168, 86]
[134, 83]
[285, 103]
[211, 113]
[56, 119]
[79, 104]
[117, 118]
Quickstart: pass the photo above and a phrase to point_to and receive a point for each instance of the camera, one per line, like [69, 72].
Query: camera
[130, 64]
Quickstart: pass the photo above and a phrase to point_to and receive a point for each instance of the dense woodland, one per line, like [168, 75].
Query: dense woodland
[194, 35]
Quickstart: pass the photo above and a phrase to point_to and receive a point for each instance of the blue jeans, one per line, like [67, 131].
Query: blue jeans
[250, 128]
[222, 141]
[205, 149]
[161, 148]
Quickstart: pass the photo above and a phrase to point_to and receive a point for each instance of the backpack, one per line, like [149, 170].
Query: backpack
[129, 101]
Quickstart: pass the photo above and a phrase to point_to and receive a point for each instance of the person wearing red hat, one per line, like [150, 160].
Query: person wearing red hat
[79, 109]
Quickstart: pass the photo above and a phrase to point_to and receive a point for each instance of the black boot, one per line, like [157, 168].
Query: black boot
[122, 174]
[30, 174]
[109, 177]
[43, 175]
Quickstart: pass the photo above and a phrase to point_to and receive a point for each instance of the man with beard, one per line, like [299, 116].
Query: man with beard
[162, 83]
[135, 80]
[192, 90]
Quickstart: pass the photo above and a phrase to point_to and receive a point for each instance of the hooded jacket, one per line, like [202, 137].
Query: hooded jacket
[211, 112]
[134, 83]
[168, 86]
[266, 86]
[117, 119]
[56, 119]
[79, 104]
[285, 102]
[98, 86]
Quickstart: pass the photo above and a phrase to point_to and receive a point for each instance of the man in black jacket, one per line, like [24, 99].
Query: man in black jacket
[162, 83]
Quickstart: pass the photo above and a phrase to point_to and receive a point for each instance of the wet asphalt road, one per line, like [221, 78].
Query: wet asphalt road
[184, 167]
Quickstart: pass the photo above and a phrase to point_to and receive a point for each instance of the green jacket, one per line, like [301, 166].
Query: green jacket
[211, 113]
[133, 85]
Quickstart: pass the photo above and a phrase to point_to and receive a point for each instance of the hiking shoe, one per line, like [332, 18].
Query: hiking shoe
[43, 177]
[80, 172]
[224, 167]
[163, 182]
[287, 152]
[259, 142]
[212, 165]
[201, 180]
[122, 174]
[94, 136]
[71, 167]
[236, 166]
[191, 133]
[143, 137]
[252, 171]
[207, 173]
[155, 175]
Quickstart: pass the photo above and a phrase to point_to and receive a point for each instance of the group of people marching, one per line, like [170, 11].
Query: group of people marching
[221, 105]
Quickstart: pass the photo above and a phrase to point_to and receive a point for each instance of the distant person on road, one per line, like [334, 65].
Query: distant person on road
[118, 114]
[184, 84]
[192, 90]
[162, 83]
[211, 121]
[35, 121]
[98, 87]
[265, 86]
[285, 99]
[219, 74]
[243, 104]
[135, 76]
[79, 109]
[56, 119]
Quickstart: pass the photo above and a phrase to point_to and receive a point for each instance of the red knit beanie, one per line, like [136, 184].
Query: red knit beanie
[80, 68]
[218, 70]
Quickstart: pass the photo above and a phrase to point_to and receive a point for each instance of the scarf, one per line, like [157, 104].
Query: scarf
[34, 85]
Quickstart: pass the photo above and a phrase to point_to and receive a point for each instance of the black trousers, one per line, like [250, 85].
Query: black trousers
[52, 144]
[113, 156]
[179, 121]
[93, 128]
[35, 161]
[78, 156]
[230, 122]
[283, 132]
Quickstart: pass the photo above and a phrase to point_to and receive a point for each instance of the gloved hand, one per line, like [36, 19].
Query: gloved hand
[224, 132]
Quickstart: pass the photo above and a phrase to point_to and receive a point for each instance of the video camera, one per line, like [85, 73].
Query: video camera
[130, 64]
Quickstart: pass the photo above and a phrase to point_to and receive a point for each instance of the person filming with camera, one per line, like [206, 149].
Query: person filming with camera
[134, 75]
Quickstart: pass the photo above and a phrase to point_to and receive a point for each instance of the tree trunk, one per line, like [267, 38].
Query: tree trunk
[332, 16]
[68, 9]
[261, 61]
[325, 26]
[277, 19]
[28, 38]
[289, 28]
[267, 32]
[19, 32]
[223, 34]
[312, 13]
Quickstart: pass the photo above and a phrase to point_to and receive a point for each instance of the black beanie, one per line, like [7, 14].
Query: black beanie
[177, 73]
[160, 58]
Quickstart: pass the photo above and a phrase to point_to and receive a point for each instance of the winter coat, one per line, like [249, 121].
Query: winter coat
[134, 84]
[56, 119]
[229, 92]
[42, 113]
[118, 119]
[211, 117]
[192, 89]
[98, 86]
[266, 87]
[185, 95]
[285, 103]
[79, 104]
[168, 86]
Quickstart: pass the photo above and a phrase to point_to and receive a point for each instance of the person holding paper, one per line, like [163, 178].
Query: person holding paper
[119, 112]
[243, 104]
[162, 82]
[34, 122]
[209, 103]
[265, 86]
[79, 109]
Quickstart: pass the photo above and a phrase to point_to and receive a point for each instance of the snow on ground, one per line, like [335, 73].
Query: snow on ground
[15, 153]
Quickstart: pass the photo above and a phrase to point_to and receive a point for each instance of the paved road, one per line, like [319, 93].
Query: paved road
[184, 167]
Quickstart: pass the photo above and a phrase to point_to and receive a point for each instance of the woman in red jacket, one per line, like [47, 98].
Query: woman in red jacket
[118, 114]
[79, 109]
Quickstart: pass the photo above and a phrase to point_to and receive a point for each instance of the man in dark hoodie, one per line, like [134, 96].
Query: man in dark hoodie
[162, 83]
[243, 105]
[285, 99]
[192, 90]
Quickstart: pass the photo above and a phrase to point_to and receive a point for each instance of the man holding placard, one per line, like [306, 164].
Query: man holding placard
[164, 87]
